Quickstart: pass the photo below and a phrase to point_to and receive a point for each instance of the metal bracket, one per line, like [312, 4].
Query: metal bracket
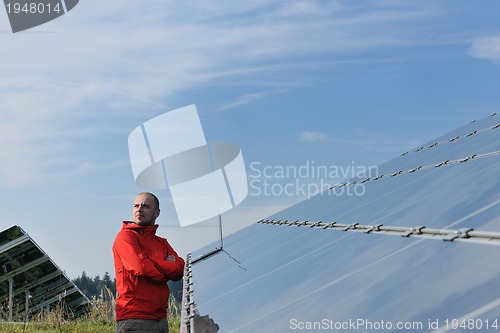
[373, 228]
[414, 230]
[350, 226]
[471, 133]
[330, 225]
[460, 233]
[317, 224]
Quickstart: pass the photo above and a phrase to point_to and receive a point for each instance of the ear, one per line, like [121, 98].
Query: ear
[157, 212]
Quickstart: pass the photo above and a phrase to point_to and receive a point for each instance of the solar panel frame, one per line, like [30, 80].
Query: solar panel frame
[30, 281]
[271, 274]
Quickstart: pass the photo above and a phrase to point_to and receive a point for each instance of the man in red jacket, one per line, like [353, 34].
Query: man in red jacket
[144, 263]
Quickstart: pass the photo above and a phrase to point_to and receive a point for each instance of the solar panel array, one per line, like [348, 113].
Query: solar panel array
[30, 281]
[416, 250]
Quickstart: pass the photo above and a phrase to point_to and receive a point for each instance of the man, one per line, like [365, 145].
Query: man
[144, 263]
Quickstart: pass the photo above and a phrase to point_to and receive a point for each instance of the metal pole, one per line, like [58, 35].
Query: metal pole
[220, 231]
[27, 306]
[11, 298]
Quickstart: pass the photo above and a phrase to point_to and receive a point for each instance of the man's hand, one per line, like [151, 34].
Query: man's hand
[171, 258]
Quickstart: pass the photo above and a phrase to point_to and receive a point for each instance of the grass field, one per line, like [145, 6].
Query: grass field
[75, 326]
[100, 319]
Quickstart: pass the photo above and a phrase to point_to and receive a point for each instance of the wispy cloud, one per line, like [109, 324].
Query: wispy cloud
[376, 141]
[117, 59]
[242, 100]
[309, 136]
[368, 141]
[487, 48]
[252, 97]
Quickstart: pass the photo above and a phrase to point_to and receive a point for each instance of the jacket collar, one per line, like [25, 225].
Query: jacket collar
[148, 229]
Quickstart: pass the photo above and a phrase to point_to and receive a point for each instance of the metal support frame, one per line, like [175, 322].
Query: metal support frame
[27, 305]
[464, 234]
[218, 249]
[188, 306]
[11, 298]
[29, 278]
[24, 268]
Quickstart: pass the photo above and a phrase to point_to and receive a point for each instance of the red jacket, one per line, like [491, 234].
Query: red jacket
[142, 272]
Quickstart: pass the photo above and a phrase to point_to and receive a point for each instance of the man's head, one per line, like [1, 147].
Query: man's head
[146, 209]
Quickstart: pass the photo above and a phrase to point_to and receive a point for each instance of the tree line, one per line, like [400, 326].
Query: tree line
[92, 287]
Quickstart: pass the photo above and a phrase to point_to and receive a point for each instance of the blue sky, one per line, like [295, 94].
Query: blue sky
[294, 83]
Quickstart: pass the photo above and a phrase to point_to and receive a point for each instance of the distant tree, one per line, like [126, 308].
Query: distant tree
[85, 284]
[92, 287]
[106, 282]
[176, 289]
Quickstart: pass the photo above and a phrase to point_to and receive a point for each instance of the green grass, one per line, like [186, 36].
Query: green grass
[100, 319]
[75, 326]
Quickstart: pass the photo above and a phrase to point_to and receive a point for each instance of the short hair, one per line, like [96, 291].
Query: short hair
[155, 198]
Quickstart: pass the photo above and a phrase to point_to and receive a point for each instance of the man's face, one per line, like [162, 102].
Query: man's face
[145, 210]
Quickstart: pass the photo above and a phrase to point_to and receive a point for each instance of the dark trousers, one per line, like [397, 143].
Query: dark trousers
[142, 326]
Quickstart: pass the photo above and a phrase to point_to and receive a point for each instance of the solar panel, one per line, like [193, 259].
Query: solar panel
[30, 281]
[416, 249]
